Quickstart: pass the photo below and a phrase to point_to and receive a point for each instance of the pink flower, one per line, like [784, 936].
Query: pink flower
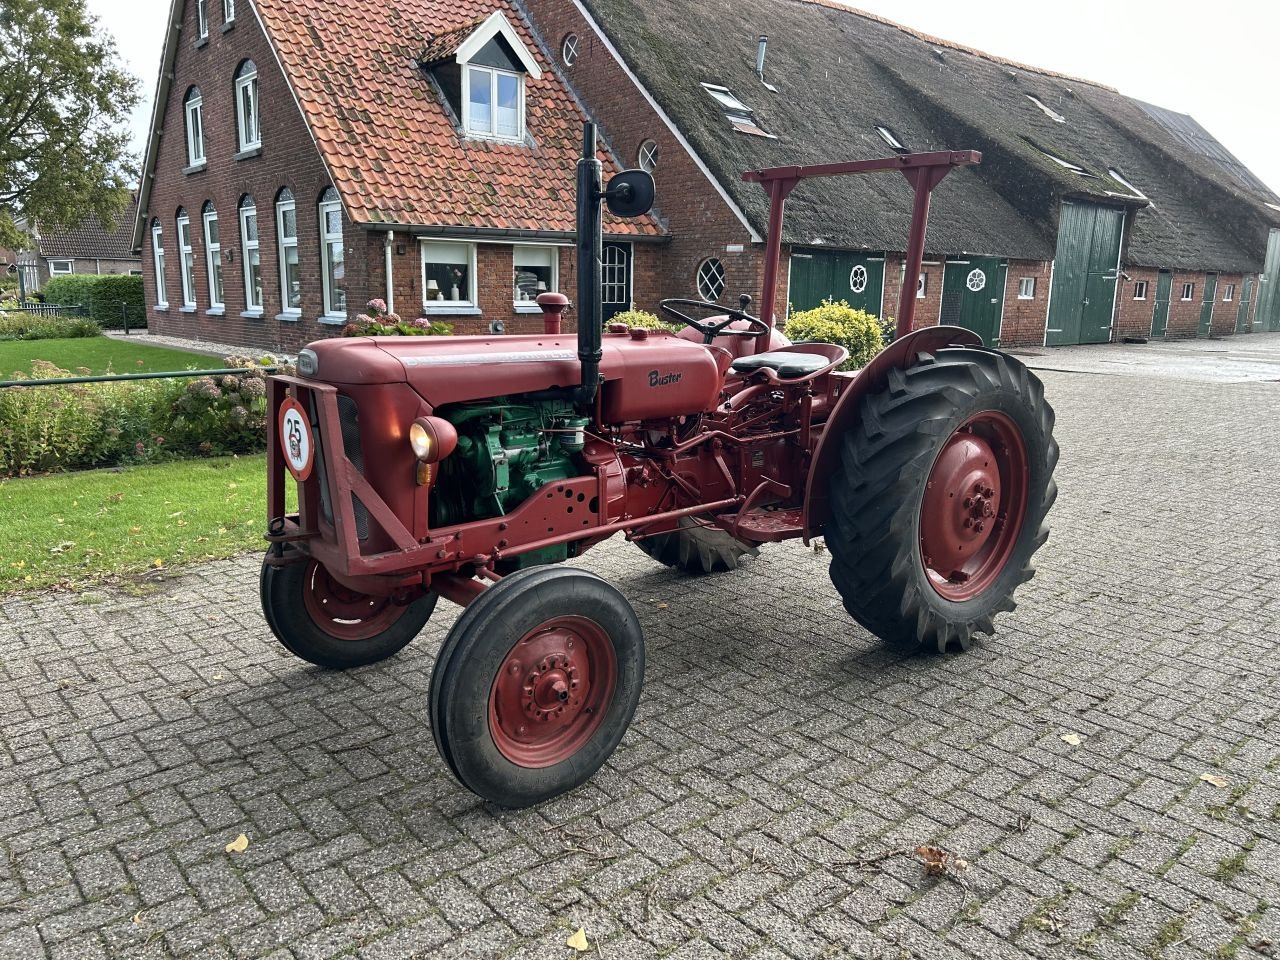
[139, 447]
[379, 305]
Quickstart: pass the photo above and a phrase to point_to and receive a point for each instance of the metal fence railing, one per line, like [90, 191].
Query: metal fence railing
[36, 309]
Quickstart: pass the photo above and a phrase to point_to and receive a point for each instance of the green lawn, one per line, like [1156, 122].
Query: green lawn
[76, 527]
[100, 355]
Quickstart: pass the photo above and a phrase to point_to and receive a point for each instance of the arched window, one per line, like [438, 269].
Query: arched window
[287, 242]
[194, 108]
[187, 263]
[249, 255]
[157, 253]
[333, 276]
[648, 156]
[248, 120]
[710, 279]
[213, 255]
[569, 49]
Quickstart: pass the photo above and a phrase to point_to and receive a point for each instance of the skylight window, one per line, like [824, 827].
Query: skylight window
[1115, 175]
[1274, 207]
[1049, 112]
[1074, 168]
[887, 136]
[742, 117]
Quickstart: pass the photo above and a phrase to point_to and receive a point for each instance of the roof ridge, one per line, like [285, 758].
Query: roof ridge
[953, 45]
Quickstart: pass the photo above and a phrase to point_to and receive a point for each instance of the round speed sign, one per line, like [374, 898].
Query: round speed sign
[295, 439]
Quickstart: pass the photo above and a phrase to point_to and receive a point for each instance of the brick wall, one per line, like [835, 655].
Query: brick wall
[1134, 317]
[1223, 322]
[928, 307]
[1184, 315]
[1024, 320]
[288, 159]
[701, 223]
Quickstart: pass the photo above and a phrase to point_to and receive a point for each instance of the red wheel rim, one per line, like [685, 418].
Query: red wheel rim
[552, 691]
[343, 613]
[974, 504]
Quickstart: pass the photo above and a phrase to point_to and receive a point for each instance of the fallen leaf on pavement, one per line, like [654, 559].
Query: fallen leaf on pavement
[1072, 738]
[137, 917]
[578, 941]
[1214, 779]
[239, 845]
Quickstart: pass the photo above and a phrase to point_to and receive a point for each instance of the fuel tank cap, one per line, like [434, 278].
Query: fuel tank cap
[639, 333]
[617, 328]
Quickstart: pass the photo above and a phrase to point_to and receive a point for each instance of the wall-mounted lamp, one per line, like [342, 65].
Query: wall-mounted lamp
[399, 249]
[231, 254]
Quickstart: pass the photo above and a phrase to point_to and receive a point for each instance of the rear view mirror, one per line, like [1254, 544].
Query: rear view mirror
[630, 194]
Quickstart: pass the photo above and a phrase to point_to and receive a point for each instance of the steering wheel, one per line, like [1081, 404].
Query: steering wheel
[709, 331]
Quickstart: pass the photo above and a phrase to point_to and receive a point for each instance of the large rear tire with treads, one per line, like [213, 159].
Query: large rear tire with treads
[940, 496]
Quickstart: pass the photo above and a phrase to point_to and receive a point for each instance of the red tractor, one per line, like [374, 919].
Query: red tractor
[469, 468]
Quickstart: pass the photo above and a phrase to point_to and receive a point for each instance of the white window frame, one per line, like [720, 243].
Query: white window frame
[248, 246]
[187, 263]
[710, 271]
[213, 259]
[1228, 293]
[493, 74]
[202, 19]
[516, 250]
[569, 49]
[647, 156]
[1140, 289]
[1188, 292]
[228, 11]
[1026, 288]
[469, 298]
[249, 139]
[284, 243]
[194, 107]
[324, 208]
[55, 272]
[157, 259]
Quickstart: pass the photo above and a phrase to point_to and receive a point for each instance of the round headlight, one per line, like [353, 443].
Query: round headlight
[432, 438]
[420, 440]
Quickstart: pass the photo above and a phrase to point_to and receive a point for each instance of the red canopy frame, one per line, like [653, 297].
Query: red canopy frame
[923, 171]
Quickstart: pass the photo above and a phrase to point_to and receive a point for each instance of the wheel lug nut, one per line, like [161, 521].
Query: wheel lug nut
[968, 522]
[968, 501]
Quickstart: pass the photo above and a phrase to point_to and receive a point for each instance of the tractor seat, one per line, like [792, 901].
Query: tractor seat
[787, 365]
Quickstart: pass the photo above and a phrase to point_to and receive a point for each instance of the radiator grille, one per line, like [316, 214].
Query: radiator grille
[349, 418]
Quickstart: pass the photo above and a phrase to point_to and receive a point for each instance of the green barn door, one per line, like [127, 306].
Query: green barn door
[1246, 298]
[818, 275]
[1160, 319]
[1083, 296]
[1206, 308]
[973, 295]
[1267, 316]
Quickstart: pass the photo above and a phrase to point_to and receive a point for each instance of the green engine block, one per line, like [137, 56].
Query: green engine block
[506, 451]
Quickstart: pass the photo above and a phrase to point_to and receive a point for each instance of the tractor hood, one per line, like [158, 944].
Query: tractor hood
[457, 369]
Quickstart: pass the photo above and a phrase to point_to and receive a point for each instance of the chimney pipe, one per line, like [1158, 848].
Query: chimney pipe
[589, 249]
[760, 51]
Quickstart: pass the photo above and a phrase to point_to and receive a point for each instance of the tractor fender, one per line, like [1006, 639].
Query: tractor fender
[900, 354]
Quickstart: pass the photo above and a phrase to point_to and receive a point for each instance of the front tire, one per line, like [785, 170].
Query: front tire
[940, 497]
[697, 548]
[536, 684]
[324, 623]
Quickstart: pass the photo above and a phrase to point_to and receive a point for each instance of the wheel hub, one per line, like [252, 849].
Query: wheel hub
[343, 613]
[551, 691]
[973, 506]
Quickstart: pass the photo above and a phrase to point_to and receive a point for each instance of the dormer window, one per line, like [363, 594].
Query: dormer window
[887, 136]
[482, 70]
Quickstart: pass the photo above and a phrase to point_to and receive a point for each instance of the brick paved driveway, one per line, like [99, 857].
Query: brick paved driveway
[776, 752]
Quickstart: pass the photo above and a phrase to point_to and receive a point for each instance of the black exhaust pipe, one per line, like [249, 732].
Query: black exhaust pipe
[589, 252]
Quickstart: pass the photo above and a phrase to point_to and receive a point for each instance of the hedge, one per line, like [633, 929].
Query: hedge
[24, 326]
[78, 426]
[837, 322]
[101, 296]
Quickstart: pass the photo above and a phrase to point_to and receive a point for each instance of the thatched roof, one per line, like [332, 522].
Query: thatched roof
[840, 74]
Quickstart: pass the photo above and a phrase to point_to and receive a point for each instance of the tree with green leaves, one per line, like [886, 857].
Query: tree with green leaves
[64, 109]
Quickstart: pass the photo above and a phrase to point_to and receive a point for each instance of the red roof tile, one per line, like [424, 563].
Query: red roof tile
[391, 145]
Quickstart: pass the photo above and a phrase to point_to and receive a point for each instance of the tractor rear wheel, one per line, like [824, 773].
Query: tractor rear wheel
[323, 622]
[697, 548]
[536, 684]
[940, 497]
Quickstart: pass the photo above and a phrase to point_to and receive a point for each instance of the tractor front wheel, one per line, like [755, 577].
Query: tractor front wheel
[325, 623]
[695, 547]
[940, 497]
[536, 684]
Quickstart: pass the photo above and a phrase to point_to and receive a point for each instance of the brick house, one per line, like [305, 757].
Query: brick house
[90, 246]
[421, 151]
